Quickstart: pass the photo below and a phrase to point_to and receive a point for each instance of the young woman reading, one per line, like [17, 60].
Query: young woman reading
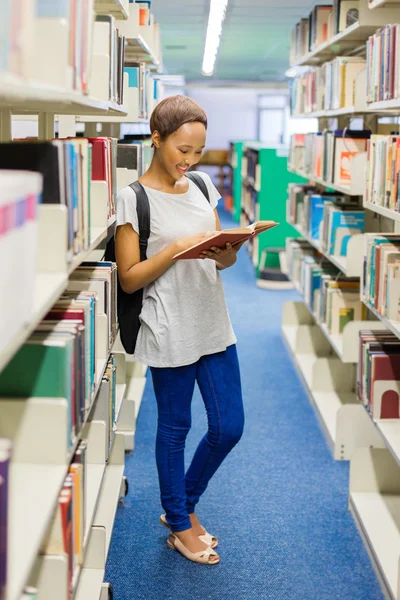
[185, 334]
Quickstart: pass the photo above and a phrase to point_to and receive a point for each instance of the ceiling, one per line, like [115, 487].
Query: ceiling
[254, 44]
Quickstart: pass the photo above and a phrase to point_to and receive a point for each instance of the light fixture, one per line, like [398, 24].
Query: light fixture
[214, 29]
[291, 73]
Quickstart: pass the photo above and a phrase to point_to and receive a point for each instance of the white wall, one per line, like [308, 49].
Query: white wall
[231, 112]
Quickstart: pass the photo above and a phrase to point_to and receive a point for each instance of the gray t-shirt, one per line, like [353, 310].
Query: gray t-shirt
[184, 314]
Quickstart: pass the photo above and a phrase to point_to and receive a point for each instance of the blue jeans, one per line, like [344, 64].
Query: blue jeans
[218, 377]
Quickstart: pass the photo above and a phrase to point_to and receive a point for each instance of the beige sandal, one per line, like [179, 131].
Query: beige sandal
[202, 557]
[206, 537]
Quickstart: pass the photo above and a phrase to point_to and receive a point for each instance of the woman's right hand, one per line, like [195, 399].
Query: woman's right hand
[186, 242]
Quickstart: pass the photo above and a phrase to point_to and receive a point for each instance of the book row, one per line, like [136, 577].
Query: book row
[19, 198]
[381, 274]
[322, 24]
[21, 30]
[333, 299]
[328, 155]
[65, 44]
[383, 171]
[147, 87]
[329, 87]
[383, 56]
[66, 533]
[378, 374]
[61, 357]
[329, 219]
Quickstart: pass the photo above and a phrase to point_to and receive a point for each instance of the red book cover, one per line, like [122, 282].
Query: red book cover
[385, 379]
[221, 238]
[100, 170]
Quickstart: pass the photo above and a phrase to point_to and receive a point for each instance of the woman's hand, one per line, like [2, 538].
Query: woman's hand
[186, 242]
[225, 257]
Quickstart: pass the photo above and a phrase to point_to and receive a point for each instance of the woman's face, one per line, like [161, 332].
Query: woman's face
[182, 149]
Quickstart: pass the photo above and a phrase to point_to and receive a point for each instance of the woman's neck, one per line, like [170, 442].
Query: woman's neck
[158, 178]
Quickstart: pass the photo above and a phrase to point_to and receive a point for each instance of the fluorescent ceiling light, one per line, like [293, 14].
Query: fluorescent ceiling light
[214, 29]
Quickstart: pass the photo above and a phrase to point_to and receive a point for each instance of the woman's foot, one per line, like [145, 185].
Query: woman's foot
[197, 528]
[193, 543]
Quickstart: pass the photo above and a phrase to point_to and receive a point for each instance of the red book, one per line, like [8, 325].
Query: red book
[100, 167]
[226, 236]
[385, 386]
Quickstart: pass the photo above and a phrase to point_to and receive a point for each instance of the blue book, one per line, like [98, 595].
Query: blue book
[133, 76]
[342, 225]
[316, 218]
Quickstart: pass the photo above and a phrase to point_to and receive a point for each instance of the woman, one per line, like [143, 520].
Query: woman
[185, 334]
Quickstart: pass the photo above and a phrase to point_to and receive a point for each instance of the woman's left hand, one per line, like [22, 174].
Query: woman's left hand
[224, 257]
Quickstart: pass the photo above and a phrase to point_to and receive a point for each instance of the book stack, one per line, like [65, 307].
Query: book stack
[299, 44]
[383, 171]
[337, 226]
[141, 23]
[383, 55]
[19, 196]
[339, 78]
[65, 536]
[328, 155]
[104, 167]
[107, 34]
[338, 302]
[68, 24]
[381, 274]
[5, 457]
[322, 24]
[99, 278]
[297, 151]
[66, 169]
[296, 252]
[378, 374]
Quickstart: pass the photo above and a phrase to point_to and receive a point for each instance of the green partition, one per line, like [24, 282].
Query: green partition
[237, 155]
[272, 197]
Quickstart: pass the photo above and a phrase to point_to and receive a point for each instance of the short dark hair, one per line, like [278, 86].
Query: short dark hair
[173, 112]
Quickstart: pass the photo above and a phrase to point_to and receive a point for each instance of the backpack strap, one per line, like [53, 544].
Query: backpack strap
[199, 181]
[143, 214]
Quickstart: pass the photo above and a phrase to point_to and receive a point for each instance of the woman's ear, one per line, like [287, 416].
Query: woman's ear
[156, 139]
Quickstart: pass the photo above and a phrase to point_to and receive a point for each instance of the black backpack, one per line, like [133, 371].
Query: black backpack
[129, 306]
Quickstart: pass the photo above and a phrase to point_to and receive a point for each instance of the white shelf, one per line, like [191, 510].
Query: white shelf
[394, 326]
[357, 186]
[383, 3]
[135, 389]
[137, 49]
[374, 499]
[381, 210]
[390, 432]
[329, 384]
[33, 489]
[30, 97]
[95, 476]
[379, 517]
[90, 582]
[117, 8]
[385, 105]
[48, 288]
[350, 265]
[120, 395]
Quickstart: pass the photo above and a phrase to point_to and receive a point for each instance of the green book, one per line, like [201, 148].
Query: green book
[42, 368]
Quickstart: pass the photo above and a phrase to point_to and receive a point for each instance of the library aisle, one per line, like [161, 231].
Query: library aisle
[279, 503]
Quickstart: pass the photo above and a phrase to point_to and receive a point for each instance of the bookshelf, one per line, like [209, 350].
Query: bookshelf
[265, 178]
[374, 483]
[352, 37]
[328, 382]
[38, 427]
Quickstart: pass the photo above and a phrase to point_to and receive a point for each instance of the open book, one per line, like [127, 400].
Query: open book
[221, 238]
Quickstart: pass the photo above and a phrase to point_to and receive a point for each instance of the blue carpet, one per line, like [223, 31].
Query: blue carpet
[278, 503]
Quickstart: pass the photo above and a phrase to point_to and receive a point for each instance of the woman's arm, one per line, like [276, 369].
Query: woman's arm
[133, 274]
[224, 258]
